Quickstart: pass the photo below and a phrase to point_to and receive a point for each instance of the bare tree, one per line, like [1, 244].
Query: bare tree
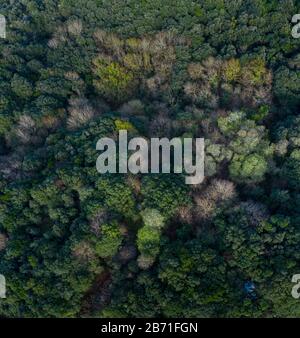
[145, 262]
[127, 253]
[100, 218]
[83, 251]
[257, 212]
[74, 27]
[80, 113]
[3, 241]
[25, 129]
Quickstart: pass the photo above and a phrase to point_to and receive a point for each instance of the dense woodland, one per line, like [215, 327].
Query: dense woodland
[75, 243]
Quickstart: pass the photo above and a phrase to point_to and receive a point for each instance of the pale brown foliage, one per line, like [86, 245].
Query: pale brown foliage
[100, 218]
[83, 251]
[133, 107]
[247, 84]
[53, 43]
[191, 89]
[195, 70]
[281, 147]
[3, 241]
[80, 113]
[220, 190]
[145, 262]
[149, 59]
[50, 122]
[185, 215]
[217, 192]
[134, 183]
[110, 42]
[72, 76]
[25, 128]
[154, 83]
[74, 27]
[60, 36]
[203, 207]
[10, 166]
[160, 126]
[123, 229]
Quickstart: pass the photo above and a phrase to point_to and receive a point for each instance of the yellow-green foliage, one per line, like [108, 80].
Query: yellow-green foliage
[125, 64]
[5, 197]
[255, 72]
[133, 43]
[113, 81]
[5, 123]
[230, 82]
[133, 61]
[232, 70]
[124, 125]
[138, 62]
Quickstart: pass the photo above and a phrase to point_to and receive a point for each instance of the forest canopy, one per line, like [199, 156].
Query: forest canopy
[74, 243]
